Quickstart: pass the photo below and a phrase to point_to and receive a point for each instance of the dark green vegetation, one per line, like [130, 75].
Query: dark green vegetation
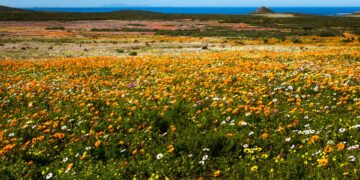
[4, 9]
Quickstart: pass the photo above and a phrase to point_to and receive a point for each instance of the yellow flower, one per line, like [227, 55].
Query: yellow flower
[217, 173]
[323, 162]
[83, 156]
[248, 151]
[254, 168]
[264, 156]
[235, 111]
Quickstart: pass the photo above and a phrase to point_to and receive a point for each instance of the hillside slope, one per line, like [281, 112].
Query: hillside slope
[5, 9]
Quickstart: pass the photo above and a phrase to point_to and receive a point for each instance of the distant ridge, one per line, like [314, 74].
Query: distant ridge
[263, 10]
[5, 9]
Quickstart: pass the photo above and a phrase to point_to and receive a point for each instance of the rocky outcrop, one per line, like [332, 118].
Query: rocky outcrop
[263, 10]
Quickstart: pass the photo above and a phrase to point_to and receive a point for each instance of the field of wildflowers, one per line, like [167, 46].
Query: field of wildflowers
[230, 115]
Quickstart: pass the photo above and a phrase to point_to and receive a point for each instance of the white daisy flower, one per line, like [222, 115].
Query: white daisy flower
[341, 130]
[49, 176]
[352, 158]
[159, 156]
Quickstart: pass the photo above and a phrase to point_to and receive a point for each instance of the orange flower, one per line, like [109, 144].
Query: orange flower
[69, 166]
[171, 148]
[265, 136]
[59, 135]
[340, 146]
[313, 139]
[9, 147]
[46, 131]
[215, 121]
[173, 128]
[134, 152]
[41, 138]
[328, 149]
[97, 143]
[110, 127]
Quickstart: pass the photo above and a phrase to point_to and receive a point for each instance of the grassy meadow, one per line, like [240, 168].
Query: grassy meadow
[179, 99]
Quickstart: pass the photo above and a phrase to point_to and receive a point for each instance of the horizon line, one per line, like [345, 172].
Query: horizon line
[144, 6]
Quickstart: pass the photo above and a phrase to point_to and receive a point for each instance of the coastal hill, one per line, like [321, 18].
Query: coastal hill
[263, 10]
[4, 9]
[267, 12]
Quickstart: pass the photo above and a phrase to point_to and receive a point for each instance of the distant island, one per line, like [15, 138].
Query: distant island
[122, 5]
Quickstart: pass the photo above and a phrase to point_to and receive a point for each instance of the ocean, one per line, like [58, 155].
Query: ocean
[325, 11]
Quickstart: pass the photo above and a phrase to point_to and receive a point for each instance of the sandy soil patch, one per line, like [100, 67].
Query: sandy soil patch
[276, 15]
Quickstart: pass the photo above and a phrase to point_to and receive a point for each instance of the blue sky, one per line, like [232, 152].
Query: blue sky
[173, 3]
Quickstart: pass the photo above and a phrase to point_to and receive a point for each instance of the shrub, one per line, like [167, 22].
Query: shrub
[120, 50]
[55, 28]
[265, 41]
[296, 41]
[133, 53]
